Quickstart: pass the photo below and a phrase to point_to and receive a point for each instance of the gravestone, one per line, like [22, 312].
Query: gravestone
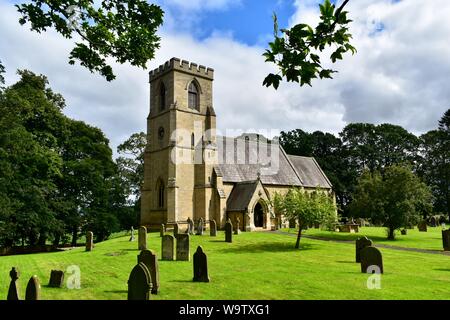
[167, 245]
[161, 230]
[175, 229]
[433, 221]
[446, 239]
[422, 226]
[183, 253]
[56, 279]
[150, 260]
[132, 234]
[190, 223]
[404, 232]
[13, 291]
[237, 230]
[200, 266]
[139, 283]
[142, 238]
[89, 241]
[371, 256]
[33, 291]
[360, 244]
[228, 231]
[212, 228]
[316, 225]
[200, 227]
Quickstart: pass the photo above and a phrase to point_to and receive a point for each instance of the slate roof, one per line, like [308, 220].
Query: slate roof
[242, 160]
[241, 195]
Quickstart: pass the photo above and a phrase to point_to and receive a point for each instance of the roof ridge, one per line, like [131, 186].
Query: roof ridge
[291, 164]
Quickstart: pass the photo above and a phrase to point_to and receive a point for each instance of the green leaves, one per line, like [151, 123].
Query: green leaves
[124, 30]
[297, 52]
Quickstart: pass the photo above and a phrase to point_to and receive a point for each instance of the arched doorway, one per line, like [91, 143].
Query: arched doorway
[258, 216]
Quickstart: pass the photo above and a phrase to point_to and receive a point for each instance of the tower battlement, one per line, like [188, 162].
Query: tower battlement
[183, 66]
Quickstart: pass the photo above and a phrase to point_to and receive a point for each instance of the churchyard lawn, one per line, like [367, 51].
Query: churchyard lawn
[258, 265]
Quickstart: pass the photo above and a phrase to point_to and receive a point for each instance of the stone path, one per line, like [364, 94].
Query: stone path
[446, 253]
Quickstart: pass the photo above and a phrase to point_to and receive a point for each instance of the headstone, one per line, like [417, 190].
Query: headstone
[422, 226]
[132, 234]
[361, 243]
[228, 231]
[89, 241]
[200, 266]
[150, 260]
[13, 291]
[316, 225]
[183, 253]
[371, 256]
[200, 227]
[212, 228]
[162, 230]
[433, 221]
[237, 230]
[175, 229]
[139, 283]
[142, 238]
[190, 226]
[446, 239]
[404, 232]
[33, 291]
[167, 247]
[56, 279]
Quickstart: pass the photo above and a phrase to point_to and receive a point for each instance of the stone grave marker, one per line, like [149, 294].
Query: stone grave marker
[162, 230]
[139, 283]
[149, 258]
[237, 230]
[13, 291]
[404, 232]
[422, 226]
[190, 223]
[89, 241]
[200, 266]
[132, 234]
[434, 221]
[228, 231]
[183, 253]
[200, 227]
[212, 228]
[176, 229]
[360, 244]
[33, 291]
[56, 279]
[446, 239]
[142, 238]
[371, 256]
[167, 247]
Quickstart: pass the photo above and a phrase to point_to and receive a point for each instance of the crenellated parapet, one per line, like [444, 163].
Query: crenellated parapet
[183, 66]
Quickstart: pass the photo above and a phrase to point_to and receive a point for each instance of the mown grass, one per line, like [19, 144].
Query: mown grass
[256, 265]
[431, 240]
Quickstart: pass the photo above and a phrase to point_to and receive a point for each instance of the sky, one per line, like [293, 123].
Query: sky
[400, 75]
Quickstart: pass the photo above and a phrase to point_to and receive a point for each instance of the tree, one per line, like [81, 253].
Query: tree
[296, 51]
[124, 30]
[306, 208]
[396, 199]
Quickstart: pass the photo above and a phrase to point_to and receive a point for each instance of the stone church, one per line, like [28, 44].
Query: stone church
[190, 172]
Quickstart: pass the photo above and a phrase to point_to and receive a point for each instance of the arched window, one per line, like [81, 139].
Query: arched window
[193, 96]
[162, 97]
[161, 194]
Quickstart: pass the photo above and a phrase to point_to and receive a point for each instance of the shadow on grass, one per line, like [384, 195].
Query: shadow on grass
[268, 247]
[116, 291]
[348, 261]
[182, 281]
[448, 270]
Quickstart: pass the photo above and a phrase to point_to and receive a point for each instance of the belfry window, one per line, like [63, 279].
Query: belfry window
[193, 96]
[162, 97]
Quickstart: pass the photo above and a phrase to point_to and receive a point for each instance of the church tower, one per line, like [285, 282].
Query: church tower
[181, 145]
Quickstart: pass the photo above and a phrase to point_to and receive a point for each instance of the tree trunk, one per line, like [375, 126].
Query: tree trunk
[391, 234]
[74, 236]
[299, 235]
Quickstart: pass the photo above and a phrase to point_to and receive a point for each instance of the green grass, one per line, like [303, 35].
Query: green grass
[431, 240]
[256, 265]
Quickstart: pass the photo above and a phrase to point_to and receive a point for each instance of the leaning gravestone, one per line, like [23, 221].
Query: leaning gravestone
[139, 283]
[361, 243]
[183, 253]
[150, 260]
[228, 231]
[89, 241]
[161, 230]
[132, 234]
[212, 228]
[13, 291]
[446, 239]
[371, 257]
[422, 226]
[56, 279]
[200, 227]
[33, 291]
[167, 245]
[200, 266]
[142, 241]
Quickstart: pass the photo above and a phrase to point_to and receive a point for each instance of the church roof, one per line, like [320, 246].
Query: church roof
[243, 160]
[241, 195]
